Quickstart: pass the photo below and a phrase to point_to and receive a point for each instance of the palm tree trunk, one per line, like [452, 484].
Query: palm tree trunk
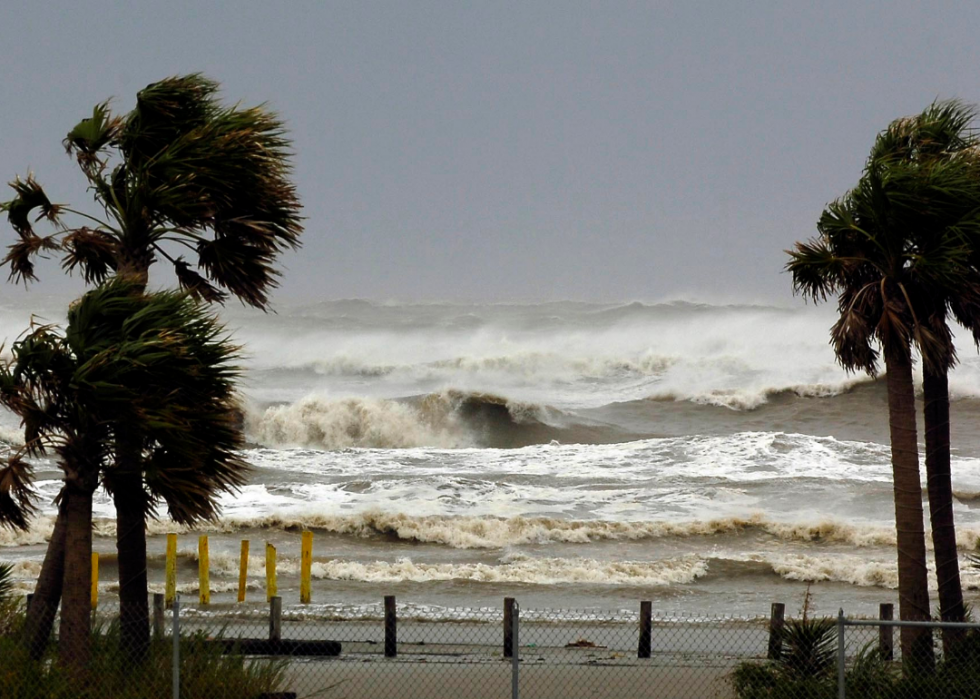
[913, 591]
[47, 592]
[940, 488]
[74, 637]
[130, 502]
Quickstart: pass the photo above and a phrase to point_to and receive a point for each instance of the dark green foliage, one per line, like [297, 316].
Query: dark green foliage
[868, 676]
[180, 168]
[809, 646]
[11, 612]
[158, 361]
[6, 581]
[205, 672]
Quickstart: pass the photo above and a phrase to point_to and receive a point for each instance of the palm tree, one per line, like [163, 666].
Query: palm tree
[157, 361]
[179, 171]
[942, 133]
[871, 251]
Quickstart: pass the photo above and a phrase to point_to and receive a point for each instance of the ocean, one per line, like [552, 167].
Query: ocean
[710, 458]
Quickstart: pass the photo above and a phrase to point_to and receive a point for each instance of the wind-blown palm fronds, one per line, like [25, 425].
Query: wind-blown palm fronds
[890, 250]
[155, 363]
[184, 179]
[926, 210]
[191, 172]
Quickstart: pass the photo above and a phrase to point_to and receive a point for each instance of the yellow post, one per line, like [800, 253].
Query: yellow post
[243, 571]
[270, 572]
[203, 570]
[306, 568]
[95, 581]
[170, 591]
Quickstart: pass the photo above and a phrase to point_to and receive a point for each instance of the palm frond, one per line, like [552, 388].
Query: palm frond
[91, 135]
[6, 581]
[17, 497]
[91, 251]
[29, 196]
[165, 111]
[196, 285]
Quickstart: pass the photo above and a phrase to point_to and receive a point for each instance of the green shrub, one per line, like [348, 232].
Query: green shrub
[869, 676]
[205, 672]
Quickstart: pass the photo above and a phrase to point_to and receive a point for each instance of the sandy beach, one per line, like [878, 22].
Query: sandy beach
[557, 660]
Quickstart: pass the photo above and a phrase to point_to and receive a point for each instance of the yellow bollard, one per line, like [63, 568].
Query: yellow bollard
[203, 570]
[243, 571]
[95, 581]
[270, 572]
[306, 568]
[170, 591]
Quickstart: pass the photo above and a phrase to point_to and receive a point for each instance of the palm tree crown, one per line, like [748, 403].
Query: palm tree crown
[158, 361]
[180, 169]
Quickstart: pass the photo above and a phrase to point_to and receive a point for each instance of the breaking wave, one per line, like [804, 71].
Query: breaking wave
[448, 419]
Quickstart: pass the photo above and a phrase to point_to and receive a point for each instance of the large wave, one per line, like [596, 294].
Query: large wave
[500, 533]
[447, 419]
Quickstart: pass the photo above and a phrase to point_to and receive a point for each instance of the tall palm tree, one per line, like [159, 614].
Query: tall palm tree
[154, 360]
[870, 252]
[942, 133]
[180, 171]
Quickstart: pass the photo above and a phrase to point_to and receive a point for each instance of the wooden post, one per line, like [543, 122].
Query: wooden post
[170, 590]
[95, 581]
[275, 619]
[886, 642]
[776, 630]
[270, 572]
[306, 567]
[243, 571]
[508, 627]
[391, 627]
[158, 619]
[203, 570]
[646, 630]
[30, 598]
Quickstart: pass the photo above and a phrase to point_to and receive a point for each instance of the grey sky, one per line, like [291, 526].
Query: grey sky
[516, 151]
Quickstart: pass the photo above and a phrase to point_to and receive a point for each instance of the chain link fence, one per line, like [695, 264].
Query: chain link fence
[413, 652]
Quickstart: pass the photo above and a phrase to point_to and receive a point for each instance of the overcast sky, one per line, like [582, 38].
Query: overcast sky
[499, 151]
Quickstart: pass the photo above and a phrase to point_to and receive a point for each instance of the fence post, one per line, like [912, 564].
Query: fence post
[515, 690]
[776, 617]
[243, 571]
[158, 607]
[203, 569]
[170, 587]
[886, 637]
[271, 589]
[646, 630]
[508, 627]
[306, 567]
[841, 655]
[275, 619]
[391, 627]
[176, 654]
[95, 581]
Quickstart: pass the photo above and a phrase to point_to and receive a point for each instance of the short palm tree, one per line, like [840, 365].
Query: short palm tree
[157, 361]
[180, 171]
[870, 252]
